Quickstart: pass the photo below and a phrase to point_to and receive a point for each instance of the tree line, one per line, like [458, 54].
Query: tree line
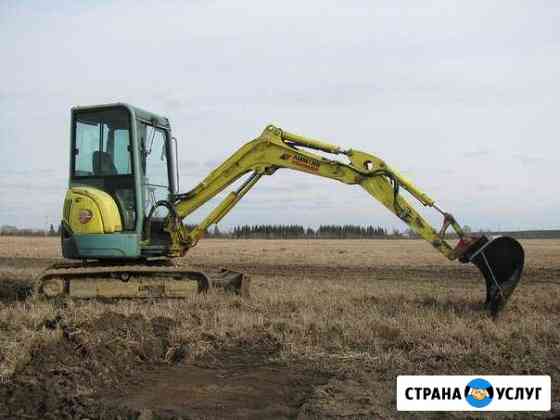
[301, 232]
[253, 232]
[9, 230]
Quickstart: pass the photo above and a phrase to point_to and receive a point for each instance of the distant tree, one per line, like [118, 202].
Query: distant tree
[411, 234]
[8, 230]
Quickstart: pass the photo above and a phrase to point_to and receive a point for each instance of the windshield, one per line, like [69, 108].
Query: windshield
[102, 157]
[102, 143]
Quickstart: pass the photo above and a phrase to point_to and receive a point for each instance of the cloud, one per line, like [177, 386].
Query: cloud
[528, 160]
[447, 91]
[487, 187]
[476, 154]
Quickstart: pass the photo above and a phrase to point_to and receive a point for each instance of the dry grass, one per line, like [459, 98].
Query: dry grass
[361, 311]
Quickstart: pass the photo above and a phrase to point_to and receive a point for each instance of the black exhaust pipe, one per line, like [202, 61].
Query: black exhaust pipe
[501, 263]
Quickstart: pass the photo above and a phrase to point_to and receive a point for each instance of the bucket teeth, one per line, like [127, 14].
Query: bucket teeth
[501, 263]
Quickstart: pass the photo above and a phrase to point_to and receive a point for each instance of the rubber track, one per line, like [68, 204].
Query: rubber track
[120, 272]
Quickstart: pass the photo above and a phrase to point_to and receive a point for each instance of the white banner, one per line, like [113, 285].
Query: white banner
[473, 393]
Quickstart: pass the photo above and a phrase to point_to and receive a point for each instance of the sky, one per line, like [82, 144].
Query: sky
[462, 97]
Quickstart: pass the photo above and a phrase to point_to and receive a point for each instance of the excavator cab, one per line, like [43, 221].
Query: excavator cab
[122, 162]
[122, 168]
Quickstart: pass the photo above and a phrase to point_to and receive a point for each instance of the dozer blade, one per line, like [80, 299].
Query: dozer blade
[501, 263]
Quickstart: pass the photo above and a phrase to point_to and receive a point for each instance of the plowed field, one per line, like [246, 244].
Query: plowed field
[329, 326]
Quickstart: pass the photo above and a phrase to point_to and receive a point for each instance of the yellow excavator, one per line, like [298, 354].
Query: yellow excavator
[123, 215]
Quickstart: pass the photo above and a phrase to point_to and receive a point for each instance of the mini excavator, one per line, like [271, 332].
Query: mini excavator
[123, 215]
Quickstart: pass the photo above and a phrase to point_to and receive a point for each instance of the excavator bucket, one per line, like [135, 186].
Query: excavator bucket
[501, 263]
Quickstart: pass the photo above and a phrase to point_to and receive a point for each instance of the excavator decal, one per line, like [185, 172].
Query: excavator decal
[306, 163]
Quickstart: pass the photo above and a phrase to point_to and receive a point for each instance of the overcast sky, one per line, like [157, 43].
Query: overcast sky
[462, 97]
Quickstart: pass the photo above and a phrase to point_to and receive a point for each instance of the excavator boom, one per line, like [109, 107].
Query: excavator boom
[500, 261]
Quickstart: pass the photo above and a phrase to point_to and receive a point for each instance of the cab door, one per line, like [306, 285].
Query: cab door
[155, 158]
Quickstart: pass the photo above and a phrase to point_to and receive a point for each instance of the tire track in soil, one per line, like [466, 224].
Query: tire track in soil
[375, 272]
[466, 273]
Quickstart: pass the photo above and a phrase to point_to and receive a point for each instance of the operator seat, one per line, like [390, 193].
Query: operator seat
[103, 164]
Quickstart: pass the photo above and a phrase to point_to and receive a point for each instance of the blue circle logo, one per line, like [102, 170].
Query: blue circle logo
[479, 393]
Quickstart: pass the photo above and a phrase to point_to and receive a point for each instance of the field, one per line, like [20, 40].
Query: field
[329, 326]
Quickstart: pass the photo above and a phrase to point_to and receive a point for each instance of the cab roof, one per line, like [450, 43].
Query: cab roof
[139, 113]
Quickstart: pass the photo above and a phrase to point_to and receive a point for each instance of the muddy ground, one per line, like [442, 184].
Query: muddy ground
[329, 326]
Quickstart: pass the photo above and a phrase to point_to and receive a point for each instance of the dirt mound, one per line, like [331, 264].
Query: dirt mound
[256, 348]
[61, 377]
[119, 366]
[347, 398]
[14, 288]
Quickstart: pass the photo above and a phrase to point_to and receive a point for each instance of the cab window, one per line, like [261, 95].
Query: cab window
[102, 143]
[102, 157]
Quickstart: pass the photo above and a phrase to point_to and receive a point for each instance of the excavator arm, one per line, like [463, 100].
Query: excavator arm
[276, 148]
[500, 261]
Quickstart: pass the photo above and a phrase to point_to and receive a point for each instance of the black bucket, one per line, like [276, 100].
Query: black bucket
[501, 263]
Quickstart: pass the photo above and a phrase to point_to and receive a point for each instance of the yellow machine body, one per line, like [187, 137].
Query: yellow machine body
[103, 212]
